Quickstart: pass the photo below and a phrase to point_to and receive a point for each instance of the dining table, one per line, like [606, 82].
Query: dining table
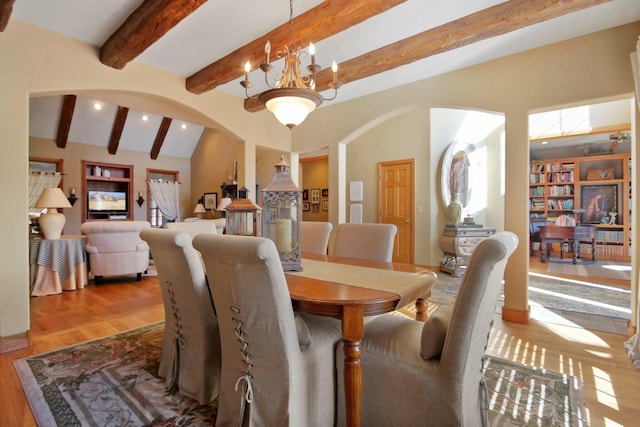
[351, 289]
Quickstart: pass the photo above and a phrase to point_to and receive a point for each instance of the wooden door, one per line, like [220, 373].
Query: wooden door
[395, 204]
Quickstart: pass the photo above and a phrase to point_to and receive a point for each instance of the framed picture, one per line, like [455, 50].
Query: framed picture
[598, 201]
[306, 207]
[325, 193]
[315, 196]
[325, 205]
[210, 201]
[315, 208]
[305, 194]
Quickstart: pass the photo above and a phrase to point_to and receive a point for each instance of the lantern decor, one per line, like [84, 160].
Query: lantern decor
[244, 218]
[281, 201]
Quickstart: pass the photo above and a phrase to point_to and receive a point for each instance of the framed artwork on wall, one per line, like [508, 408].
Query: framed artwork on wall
[305, 194]
[315, 208]
[599, 201]
[210, 200]
[325, 193]
[315, 196]
[306, 207]
[325, 205]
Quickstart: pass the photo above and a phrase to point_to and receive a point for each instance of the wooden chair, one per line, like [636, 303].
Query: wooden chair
[314, 236]
[191, 342]
[372, 242]
[431, 372]
[278, 367]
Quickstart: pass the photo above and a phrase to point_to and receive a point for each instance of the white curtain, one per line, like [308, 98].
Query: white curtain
[38, 181]
[633, 344]
[167, 196]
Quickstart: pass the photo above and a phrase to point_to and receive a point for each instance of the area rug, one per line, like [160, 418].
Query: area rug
[113, 382]
[107, 382]
[521, 395]
[587, 268]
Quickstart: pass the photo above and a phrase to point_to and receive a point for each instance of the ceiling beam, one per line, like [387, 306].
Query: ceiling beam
[482, 25]
[145, 26]
[116, 130]
[162, 133]
[64, 124]
[494, 21]
[328, 18]
[6, 7]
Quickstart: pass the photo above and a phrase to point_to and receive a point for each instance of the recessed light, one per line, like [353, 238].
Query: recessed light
[544, 142]
[145, 117]
[184, 126]
[97, 106]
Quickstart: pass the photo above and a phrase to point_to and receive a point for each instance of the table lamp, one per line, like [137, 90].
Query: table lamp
[222, 206]
[199, 210]
[52, 222]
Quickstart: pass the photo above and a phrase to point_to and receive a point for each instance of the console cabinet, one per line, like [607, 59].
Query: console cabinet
[107, 177]
[591, 189]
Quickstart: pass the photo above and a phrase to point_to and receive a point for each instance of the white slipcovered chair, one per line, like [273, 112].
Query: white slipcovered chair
[373, 242]
[314, 236]
[194, 228]
[278, 367]
[115, 248]
[431, 372]
[191, 342]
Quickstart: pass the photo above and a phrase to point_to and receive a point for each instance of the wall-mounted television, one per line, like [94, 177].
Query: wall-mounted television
[107, 201]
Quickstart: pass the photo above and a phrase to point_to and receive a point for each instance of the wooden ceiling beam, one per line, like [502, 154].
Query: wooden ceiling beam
[484, 24]
[6, 7]
[64, 124]
[145, 26]
[161, 135]
[494, 21]
[116, 130]
[328, 18]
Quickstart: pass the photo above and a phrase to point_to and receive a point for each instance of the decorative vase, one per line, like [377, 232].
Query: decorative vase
[454, 210]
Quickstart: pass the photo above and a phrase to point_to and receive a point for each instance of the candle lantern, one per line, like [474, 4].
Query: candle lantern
[281, 201]
[244, 218]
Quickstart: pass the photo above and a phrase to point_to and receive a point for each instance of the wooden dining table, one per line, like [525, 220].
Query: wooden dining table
[350, 290]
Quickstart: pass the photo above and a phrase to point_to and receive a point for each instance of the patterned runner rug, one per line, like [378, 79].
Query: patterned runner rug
[112, 381]
[604, 269]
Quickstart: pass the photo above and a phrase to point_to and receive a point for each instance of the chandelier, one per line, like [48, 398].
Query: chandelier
[292, 97]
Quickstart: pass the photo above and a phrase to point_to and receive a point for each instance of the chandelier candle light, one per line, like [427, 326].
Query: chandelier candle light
[294, 96]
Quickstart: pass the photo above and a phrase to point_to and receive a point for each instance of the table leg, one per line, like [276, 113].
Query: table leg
[543, 251]
[421, 308]
[352, 335]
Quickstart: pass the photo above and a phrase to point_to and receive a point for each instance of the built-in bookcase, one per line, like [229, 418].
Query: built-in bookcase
[599, 185]
[113, 180]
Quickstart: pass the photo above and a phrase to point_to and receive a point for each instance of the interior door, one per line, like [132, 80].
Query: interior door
[395, 204]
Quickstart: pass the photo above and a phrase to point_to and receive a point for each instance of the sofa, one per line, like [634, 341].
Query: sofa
[116, 249]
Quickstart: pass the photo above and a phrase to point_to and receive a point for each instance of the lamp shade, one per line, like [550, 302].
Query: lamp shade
[199, 209]
[224, 202]
[291, 105]
[52, 222]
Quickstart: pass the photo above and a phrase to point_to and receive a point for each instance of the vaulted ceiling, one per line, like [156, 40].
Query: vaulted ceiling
[378, 44]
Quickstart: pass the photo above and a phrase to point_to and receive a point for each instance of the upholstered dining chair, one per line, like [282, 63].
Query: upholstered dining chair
[433, 370]
[278, 367]
[191, 342]
[372, 242]
[314, 236]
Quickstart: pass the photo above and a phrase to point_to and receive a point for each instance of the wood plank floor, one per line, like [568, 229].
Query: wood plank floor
[610, 383]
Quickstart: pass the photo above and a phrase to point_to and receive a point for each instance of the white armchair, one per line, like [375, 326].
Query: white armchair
[115, 248]
[193, 228]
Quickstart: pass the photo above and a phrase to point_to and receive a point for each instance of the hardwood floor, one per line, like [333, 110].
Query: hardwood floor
[610, 383]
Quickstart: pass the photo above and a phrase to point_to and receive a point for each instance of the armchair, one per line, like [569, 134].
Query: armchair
[413, 371]
[194, 228]
[115, 248]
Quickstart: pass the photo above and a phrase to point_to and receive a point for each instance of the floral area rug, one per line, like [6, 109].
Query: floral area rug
[108, 382]
[113, 382]
[521, 395]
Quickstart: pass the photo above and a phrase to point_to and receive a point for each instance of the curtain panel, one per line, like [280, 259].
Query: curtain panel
[167, 196]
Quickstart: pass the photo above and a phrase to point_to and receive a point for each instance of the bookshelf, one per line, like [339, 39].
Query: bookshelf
[601, 185]
[107, 177]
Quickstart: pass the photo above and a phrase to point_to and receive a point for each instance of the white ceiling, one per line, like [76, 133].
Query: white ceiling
[219, 27]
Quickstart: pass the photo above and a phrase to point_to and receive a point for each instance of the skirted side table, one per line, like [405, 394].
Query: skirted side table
[458, 242]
